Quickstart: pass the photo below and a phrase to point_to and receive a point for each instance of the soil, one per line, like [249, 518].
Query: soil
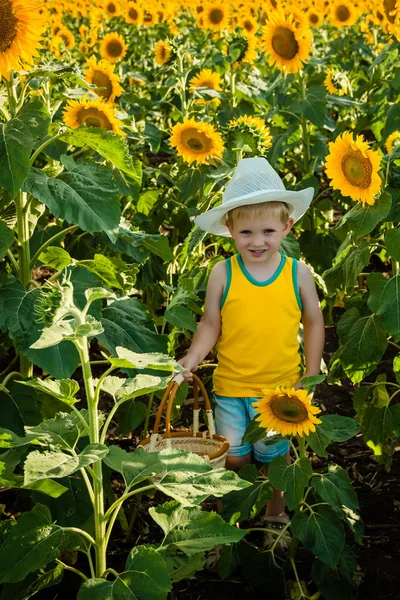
[378, 560]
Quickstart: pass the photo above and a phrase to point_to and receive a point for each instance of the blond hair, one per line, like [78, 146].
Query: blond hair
[263, 209]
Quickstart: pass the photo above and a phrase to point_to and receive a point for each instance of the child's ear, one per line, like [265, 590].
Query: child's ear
[288, 226]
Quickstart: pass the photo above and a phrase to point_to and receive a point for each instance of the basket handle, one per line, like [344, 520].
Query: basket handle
[169, 395]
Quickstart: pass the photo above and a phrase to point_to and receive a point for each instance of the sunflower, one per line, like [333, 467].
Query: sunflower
[247, 45]
[92, 113]
[288, 46]
[315, 18]
[162, 52]
[196, 141]
[136, 81]
[392, 142]
[390, 7]
[251, 132]
[134, 13]
[287, 411]
[113, 47]
[112, 8]
[150, 16]
[249, 25]
[205, 79]
[216, 16]
[342, 14]
[67, 37]
[21, 26]
[102, 75]
[353, 168]
[336, 82]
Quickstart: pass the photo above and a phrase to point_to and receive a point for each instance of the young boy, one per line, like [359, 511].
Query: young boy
[254, 303]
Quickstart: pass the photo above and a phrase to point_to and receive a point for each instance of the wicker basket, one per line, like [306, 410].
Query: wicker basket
[207, 444]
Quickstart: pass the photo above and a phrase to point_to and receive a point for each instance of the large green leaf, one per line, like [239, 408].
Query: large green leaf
[321, 532]
[17, 138]
[291, 479]
[313, 106]
[62, 389]
[140, 385]
[335, 487]
[385, 301]
[43, 465]
[10, 415]
[364, 348]
[392, 241]
[363, 219]
[126, 323]
[191, 530]
[86, 195]
[337, 583]
[132, 360]
[381, 429]
[321, 438]
[67, 330]
[139, 465]
[63, 431]
[247, 503]
[192, 488]
[31, 545]
[343, 428]
[75, 509]
[109, 145]
[32, 584]
[114, 272]
[130, 415]
[55, 257]
[6, 238]
[17, 313]
[348, 265]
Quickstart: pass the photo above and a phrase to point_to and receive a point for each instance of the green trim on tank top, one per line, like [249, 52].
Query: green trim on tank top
[261, 283]
[228, 280]
[295, 262]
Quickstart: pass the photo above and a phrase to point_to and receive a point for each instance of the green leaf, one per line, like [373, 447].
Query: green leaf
[343, 428]
[132, 360]
[309, 383]
[113, 271]
[313, 106]
[290, 246]
[32, 584]
[129, 416]
[381, 429]
[348, 265]
[364, 348]
[385, 300]
[180, 566]
[335, 487]
[85, 195]
[363, 219]
[63, 431]
[10, 416]
[43, 465]
[261, 571]
[191, 530]
[254, 432]
[126, 323]
[32, 544]
[139, 465]
[62, 389]
[67, 330]
[338, 583]
[181, 317]
[321, 532]
[321, 438]
[50, 488]
[392, 241]
[247, 503]
[192, 488]
[6, 238]
[55, 257]
[291, 479]
[396, 367]
[110, 145]
[17, 138]
[139, 386]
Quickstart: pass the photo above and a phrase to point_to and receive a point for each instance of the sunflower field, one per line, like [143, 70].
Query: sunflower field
[120, 122]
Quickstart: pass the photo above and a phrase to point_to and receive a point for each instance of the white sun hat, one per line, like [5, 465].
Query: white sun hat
[254, 181]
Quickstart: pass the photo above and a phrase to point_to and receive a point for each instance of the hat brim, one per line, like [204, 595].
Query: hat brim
[298, 201]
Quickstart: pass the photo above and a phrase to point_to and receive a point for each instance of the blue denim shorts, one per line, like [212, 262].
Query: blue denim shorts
[232, 415]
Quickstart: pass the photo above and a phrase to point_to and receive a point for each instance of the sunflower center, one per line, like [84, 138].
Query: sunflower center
[284, 43]
[102, 80]
[133, 14]
[248, 25]
[92, 117]
[389, 6]
[196, 141]
[357, 169]
[111, 8]
[342, 13]
[148, 17]
[314, 18]
[289, 409]
[8, 25]
[216, 16]
[114, 48]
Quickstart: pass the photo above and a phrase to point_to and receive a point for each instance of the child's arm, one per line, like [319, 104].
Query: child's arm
[313, 322]
[209, 328]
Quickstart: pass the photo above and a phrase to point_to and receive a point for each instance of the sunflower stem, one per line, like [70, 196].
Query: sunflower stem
[305, 132]
[50, 241]
[45, 144]
[232, 86]
[302, 446]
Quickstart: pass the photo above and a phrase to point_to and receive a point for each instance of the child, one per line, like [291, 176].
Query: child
[253, 307]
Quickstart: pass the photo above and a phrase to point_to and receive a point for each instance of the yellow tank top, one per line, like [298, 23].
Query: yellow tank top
[258, 347]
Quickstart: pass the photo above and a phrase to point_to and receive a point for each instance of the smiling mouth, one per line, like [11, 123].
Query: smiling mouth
[257, 252]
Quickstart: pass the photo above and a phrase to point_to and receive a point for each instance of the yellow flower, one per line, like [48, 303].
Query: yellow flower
[162, 52]
[84, 48]
[342, 13]
[353, 168]
[288, 46]
[21, 26]
[67, 37]
[205, 79]
[315, 18]
[287, 411]
[260, 139]
[216, 16]
[336, 82]
[92, 113]
[112, 8]
[392, 141]
[249, 25]
[102, 75]
[134, 13]
[196, 141]
[150, 16]
[136, 81]
[113, 47]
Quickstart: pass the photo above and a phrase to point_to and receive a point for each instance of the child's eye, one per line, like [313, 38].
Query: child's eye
[245, 231]
[269, 230]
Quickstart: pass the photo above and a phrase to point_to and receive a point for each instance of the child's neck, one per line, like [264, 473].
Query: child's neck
[262, 271]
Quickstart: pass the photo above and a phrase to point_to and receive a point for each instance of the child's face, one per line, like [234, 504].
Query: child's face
[259, 238]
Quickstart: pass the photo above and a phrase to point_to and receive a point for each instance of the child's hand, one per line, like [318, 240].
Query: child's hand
[190, 365]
